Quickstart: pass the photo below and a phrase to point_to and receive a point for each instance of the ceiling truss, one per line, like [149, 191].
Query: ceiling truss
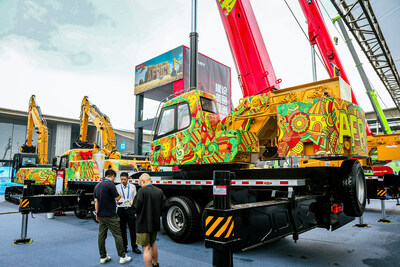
[362, 23]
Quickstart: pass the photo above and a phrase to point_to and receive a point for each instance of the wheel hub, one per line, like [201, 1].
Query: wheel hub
[175, 219]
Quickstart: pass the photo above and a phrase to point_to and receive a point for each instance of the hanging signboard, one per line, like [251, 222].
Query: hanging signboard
[158, 71]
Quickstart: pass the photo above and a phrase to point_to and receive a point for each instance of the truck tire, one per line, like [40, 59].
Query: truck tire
[81, 214]
[353, 188]
[181, 220]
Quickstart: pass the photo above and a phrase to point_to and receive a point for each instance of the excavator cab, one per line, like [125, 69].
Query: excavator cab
[23, 160]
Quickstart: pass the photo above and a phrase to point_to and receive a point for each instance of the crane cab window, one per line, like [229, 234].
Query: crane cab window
[64, 162]
[183, 117]
[166, 124]
[28, 161]
[208, 105]
[173, 119]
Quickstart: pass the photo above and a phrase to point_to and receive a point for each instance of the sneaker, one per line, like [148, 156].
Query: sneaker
[106, 259]
[125, 260]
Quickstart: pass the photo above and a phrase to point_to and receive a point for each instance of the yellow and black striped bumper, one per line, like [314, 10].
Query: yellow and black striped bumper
[219, 227]
[381, 193]
[24, 203]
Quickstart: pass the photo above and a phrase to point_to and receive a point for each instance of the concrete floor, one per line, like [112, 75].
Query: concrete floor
[69, 241]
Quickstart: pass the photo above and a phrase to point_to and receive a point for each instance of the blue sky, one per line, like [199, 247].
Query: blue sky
[62, 50]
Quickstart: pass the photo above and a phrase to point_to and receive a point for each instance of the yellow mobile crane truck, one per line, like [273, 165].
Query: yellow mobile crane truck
[315, 120]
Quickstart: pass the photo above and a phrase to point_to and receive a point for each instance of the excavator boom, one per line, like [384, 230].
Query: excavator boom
[37, 122]
[102, 123]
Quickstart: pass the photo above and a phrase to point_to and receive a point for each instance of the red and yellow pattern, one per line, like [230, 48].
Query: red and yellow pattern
[326, 123]
[41, 176]
[83, 169]
[202, 143]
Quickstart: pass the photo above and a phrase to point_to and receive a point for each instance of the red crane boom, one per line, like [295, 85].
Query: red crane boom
[256, 74]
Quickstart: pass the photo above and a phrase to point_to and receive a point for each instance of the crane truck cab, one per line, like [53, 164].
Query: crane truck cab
[189, 133]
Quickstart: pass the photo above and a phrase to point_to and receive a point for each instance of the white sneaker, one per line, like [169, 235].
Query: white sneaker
[106, 259]
[125, 260]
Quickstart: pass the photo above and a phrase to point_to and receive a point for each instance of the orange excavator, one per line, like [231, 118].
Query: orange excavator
[32, 162]
[84, 165]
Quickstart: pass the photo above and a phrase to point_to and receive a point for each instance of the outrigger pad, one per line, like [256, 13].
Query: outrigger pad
[383, 221]
[22, 241]
[363, 225]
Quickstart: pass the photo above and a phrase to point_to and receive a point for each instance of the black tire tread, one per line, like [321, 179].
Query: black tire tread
[81, 214]
[352, 207]
[189, 232]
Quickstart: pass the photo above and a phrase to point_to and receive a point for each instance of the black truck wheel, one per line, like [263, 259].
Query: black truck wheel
[353, 188]
[181, 220]
[81, 214]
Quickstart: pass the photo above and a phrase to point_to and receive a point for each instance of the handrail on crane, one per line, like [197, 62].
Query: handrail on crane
[37, 121]
[103, 125]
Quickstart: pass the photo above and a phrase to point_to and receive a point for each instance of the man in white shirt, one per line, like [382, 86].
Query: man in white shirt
[126, 212]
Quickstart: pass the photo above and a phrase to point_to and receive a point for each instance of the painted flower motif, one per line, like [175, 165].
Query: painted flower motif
[300, 123]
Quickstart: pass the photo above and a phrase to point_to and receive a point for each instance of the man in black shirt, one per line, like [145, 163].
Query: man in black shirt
[105, 196]
[149, 202]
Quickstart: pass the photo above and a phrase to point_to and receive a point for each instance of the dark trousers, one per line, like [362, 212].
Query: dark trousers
[127, 216]
[112, 224]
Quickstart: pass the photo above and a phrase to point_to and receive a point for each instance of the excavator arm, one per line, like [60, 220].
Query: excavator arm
[103, 125]
[37, 122]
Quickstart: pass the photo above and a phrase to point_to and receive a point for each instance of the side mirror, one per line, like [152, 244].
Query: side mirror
[54, 164]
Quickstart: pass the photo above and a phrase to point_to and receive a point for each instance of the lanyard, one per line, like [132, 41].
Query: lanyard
[123, 193]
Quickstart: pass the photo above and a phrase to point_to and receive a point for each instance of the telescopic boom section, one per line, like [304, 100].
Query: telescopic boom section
[102, 123]
[36, 120]
[319, 35]
[252, 61]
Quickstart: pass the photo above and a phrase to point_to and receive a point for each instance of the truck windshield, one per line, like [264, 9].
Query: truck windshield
[179, 113]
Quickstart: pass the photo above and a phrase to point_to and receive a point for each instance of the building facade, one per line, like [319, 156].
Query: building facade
[392, 116]
[63, 132]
